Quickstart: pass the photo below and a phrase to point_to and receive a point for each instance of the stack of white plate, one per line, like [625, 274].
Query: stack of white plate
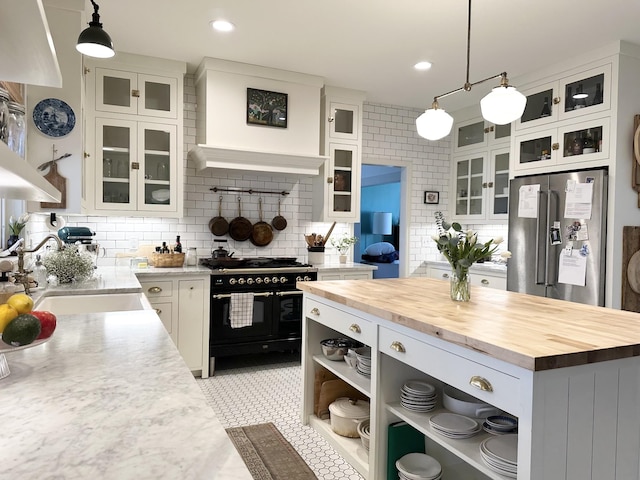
[418, 396]
[500, 425]
[363, 365]
[501, 454]
[418, 466]
[452, 425]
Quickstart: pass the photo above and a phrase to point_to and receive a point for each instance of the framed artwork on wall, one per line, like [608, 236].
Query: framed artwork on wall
[266, 108]
[432, 197]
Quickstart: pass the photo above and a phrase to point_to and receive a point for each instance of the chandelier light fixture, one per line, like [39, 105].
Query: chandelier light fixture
[502, 105]
[94, 41]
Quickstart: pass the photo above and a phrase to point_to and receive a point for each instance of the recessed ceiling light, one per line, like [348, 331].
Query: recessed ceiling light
[222, 25]
[422, 66]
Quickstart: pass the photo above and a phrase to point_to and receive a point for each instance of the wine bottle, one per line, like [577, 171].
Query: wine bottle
[588, 145]
[576, 147]
[165, 249]
[178, 247]
[597, 98]
[568, 102]
[546, 111]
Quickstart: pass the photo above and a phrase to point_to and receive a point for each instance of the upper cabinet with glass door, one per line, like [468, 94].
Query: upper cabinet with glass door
[569, 98]
[134, 146]
[136, 94]
[478, 134]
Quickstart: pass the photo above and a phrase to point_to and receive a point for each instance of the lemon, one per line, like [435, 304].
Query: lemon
[7, 313]
[22, 330]
[22, 302]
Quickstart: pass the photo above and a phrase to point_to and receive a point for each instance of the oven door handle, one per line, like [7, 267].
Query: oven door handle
[228, 295]
[292, 292]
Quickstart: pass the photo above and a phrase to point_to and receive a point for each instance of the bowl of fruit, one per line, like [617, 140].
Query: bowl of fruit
[22, 327]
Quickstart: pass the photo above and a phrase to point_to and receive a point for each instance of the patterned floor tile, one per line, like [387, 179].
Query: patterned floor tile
[252, 389]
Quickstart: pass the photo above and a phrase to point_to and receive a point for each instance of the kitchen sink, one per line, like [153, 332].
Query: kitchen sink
[70, 304]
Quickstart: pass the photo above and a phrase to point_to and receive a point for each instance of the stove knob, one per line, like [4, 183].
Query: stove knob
[283, 279]
[307, 278]
[267, 280]
[258, 280]
[274, 279]
[249, 281]
[232, 281]
[299, 278]
[241, 281]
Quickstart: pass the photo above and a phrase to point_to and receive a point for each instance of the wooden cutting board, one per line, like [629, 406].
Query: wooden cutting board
[332, 390]
[322, 375]
[60, 183]
[631, 268]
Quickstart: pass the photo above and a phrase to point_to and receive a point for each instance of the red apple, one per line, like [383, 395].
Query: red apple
[47, 323]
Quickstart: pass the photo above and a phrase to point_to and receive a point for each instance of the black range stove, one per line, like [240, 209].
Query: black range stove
[274, 321]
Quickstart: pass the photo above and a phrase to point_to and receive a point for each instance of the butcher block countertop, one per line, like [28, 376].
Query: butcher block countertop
[528, 331]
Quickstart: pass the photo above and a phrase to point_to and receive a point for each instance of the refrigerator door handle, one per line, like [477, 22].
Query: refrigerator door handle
[541, 229]
[552, 213]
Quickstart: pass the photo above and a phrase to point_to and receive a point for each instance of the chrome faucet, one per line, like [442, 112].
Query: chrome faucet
[22, 276]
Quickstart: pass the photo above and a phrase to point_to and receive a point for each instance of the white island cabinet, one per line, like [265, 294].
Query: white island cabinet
[571, 379]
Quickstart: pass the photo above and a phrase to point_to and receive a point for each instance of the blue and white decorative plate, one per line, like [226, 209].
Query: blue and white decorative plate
[54, 117]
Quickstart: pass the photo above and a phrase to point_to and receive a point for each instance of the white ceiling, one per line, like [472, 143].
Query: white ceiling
[372, 45]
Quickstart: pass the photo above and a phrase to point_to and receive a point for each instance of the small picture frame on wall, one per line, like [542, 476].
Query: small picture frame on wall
[266, 108]
[432, 197]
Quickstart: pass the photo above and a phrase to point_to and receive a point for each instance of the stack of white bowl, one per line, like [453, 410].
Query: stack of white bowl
[363, 366]
[452, 425]
[418, 396]
[418, 466]
[501, 454]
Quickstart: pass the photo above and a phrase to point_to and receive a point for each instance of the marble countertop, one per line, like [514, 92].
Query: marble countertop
[489, 267]
[109, 397]
[184, 270]
[345, 266]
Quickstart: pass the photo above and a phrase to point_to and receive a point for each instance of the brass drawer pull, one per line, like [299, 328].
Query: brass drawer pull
[445, 275]
[315, 311]
[484, 281]
[355, 328]
[398, 347]
[155, 290]
[158, 311]
[481, 383]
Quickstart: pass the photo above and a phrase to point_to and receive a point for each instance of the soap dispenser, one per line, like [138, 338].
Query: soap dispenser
[40, 273]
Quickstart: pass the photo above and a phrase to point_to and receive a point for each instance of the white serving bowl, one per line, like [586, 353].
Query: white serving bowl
[363, 431]
[462, 403]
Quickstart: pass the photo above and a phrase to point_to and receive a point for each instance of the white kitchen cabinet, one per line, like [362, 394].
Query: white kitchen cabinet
[562, 146]
[182, 303]
[139, 166]
[478, 275]
[134, 131]
[478, 134]
[354, 271]
[481, 185]
[554, 101]
[136, 94]
[336, 190]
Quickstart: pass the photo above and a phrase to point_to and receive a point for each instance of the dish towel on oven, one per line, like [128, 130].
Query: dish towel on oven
[241, 310]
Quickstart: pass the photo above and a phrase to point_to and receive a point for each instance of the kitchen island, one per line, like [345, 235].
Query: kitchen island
[109, 397]
[569, 372]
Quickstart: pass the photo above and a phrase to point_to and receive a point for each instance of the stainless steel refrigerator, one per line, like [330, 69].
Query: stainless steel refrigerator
[557, 235]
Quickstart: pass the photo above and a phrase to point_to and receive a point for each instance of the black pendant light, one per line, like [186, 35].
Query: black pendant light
[94, 41]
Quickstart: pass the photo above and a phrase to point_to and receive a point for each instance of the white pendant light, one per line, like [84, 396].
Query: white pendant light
[503, 104]
[94, 41]
[434, 123]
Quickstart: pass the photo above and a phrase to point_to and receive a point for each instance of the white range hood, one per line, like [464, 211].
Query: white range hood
[255, 161]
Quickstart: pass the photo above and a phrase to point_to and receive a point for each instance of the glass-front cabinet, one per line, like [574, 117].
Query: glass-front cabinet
[343, 121]
[577, 145]
[482, 185]
[573, 96]
[135, 93]
[138, 165]
[477, 134]
[342, 180]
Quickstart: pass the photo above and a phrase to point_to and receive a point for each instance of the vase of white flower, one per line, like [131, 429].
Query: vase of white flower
[462, 249]
[15, 228]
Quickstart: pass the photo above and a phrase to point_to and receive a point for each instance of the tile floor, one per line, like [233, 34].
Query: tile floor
[251, 389]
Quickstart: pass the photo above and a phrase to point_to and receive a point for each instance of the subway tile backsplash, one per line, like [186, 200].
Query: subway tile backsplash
[388, 134]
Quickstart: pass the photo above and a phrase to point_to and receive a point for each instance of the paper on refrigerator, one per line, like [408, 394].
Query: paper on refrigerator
[572, 269]
[579, 199]
[528, 201]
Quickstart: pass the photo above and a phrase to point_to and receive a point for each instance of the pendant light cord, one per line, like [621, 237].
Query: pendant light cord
[467, 85]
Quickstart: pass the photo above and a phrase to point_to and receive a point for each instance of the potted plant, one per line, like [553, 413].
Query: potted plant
[15, 228]
[343, 244]
[69, 265]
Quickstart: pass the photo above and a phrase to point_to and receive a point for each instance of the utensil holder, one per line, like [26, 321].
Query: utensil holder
[315, 255]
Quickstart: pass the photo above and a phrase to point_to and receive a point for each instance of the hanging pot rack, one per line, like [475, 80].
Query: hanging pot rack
[250, 191]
